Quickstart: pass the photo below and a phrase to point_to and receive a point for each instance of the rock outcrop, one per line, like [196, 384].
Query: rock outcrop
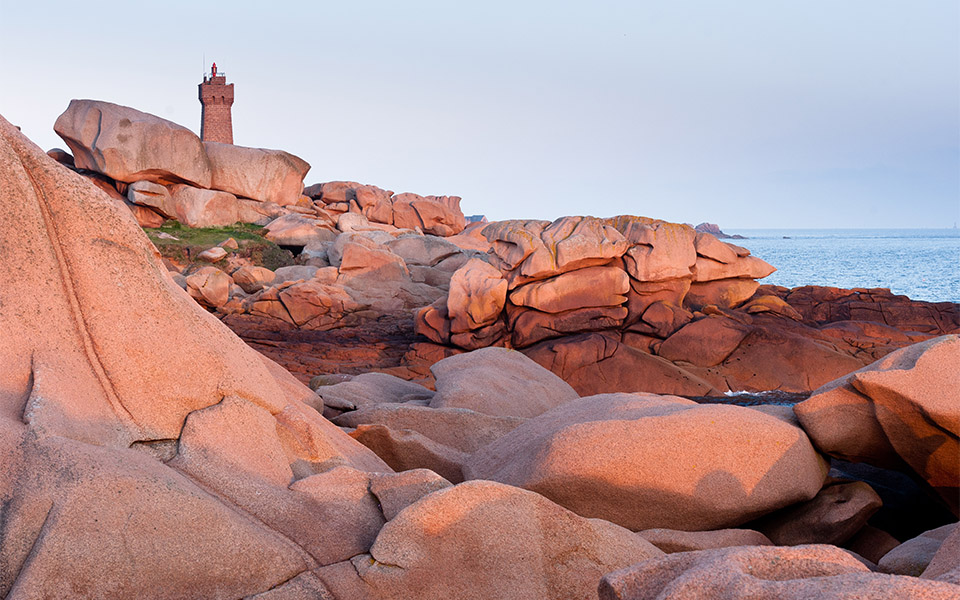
[635, 304]
[902, 409]
[173, 174]
[127, 408]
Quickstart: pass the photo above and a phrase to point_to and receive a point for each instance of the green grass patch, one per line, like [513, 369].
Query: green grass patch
[191, 242]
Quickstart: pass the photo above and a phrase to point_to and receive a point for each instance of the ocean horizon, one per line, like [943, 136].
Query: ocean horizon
[922, 264]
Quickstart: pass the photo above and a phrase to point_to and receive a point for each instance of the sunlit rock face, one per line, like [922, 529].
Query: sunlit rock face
[147, 451]
[902, 409]
[637, 304]
[646, 461]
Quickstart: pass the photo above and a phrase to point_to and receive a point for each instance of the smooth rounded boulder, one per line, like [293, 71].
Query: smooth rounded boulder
[129, 145]
[645, 461]
[264, 175]
[499, 382]
[481, 540]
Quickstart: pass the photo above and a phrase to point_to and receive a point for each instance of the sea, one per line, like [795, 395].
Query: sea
[922, 264]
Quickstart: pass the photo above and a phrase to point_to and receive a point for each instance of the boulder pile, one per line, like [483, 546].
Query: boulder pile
[148, 452]
[636, 304]
[161, 170]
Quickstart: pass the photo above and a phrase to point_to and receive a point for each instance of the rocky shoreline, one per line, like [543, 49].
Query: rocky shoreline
[497, 409]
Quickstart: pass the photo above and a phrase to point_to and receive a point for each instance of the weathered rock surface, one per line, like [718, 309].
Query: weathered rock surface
[109, 138]
[264, 175]
[617, 457]
[486, 540]
[499, 382]
[796, 573]
[905, 407]
[109, 372]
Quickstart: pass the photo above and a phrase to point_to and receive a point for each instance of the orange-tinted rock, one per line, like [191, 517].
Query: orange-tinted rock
[129, 145]
[643, 294]
[914, 396]
[265, 175]
[533, 250]
[297, 230]
[315, 305]
[253, 279]
[532, 326]
[371, 261]
[513, 241]
[595, 364]
[795, 573]
[209, 286]
[725, 293]
[437, 215]
[426, 250]
[583, 288]
[195, 207]
[772, 304]
[104, 361]
[481, 540]
[499, 382]
[781, 354]
[477, 295]
[710, 247]
[707, 269]
[674, 540]
[471, 238]
[89, 521]
[704, 342]
[662, 319]
[152, 195]
[212, 254]
[662, 250]
[616, 457]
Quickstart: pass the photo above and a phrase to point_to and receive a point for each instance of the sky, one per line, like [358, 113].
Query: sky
[749, 114]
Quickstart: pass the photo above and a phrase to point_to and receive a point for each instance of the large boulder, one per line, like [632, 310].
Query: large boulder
[129, 145]
[436, 215]
[265, 175]
[110, 372]
[499, 382]
[904, 407]
[477, 295]
[481, 540]
[796, 573]
[195, 207]
[645, 461]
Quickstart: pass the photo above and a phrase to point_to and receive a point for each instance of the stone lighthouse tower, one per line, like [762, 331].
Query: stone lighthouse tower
[216, 96]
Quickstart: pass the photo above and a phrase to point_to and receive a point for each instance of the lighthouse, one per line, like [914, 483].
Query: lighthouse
[216, 96]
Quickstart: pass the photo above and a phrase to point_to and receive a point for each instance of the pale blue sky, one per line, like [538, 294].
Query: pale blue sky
[747, 114]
